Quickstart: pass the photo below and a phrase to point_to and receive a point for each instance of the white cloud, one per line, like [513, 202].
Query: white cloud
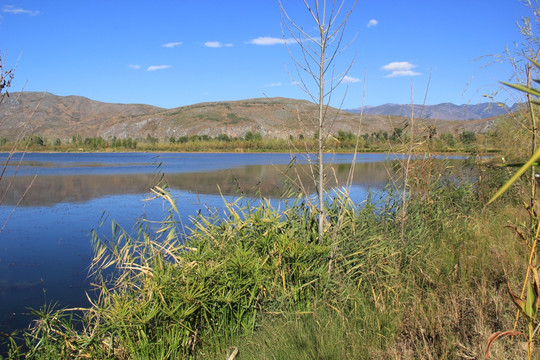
[134, 66]
[216, 44]
[350, 80]
[400, 68]
[403, 73]
[273, 84]
[267, 40]
[157, 67]
[172, 44]
[372, 23]
[13, 10]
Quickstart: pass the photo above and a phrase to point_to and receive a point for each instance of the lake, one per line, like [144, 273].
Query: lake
[45, 244]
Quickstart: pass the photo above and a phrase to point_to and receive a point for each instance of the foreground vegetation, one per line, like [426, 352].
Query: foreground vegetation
[428, 285]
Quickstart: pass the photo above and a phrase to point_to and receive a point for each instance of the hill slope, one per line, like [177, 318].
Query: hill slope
[63, 116]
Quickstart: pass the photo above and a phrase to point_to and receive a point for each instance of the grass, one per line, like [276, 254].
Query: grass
[257, 279]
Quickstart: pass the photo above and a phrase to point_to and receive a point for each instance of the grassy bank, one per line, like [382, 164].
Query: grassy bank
[428, 285]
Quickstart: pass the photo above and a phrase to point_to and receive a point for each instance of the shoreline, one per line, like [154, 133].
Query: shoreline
[438, 153]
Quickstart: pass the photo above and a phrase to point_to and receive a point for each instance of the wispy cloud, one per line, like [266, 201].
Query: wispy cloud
[172, 44]
[350, 80]
[276, 84]
[157, 67]
[400, 73]
[216, 44]
[372, 23]
[134, 66]
[14, 10]
[267, 40]
[400, 68]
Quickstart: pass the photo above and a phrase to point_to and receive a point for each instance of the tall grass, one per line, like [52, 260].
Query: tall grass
[162, 296]
[256, 279]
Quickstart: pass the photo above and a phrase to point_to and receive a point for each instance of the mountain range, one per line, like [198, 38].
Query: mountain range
[444, 111]
[62, 117]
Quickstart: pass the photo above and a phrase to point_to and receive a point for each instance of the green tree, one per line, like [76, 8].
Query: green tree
[396, 134]
[253, 136]
[449, 139]
[223, 137]
[467, 137]
[37, 140]
[432, 131]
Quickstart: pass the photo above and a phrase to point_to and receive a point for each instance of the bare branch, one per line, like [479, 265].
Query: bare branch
[286, 20]
[316, 61]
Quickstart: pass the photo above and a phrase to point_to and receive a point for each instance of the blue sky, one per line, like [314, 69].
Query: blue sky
[176, 53]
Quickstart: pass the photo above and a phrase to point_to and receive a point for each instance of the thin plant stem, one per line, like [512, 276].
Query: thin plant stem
[533, 134]
[530, 263]
[407, 168]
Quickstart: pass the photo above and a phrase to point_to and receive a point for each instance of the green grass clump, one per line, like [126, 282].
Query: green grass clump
[161, 297]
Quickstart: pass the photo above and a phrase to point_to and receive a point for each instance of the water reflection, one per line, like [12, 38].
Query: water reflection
[255, 180]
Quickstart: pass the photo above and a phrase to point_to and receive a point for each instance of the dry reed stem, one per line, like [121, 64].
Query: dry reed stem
[233, 354]
[530, 264]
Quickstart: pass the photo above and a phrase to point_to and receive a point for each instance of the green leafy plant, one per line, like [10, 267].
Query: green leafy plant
[530, 91]
[528, 308]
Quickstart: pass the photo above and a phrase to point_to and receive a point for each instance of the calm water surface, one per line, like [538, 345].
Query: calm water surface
[45, 246]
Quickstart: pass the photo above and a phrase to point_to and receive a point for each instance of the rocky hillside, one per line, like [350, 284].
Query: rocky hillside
[61, 117]
[444, 111]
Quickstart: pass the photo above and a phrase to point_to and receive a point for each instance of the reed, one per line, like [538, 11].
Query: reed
[528, 300]
[256, 278]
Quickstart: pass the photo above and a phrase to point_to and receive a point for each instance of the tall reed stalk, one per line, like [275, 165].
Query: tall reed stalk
[527, 307]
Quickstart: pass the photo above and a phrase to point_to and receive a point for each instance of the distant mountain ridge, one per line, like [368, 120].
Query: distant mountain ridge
[62, 117]
[443, 111]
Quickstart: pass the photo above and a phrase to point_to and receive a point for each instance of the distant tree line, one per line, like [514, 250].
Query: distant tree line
[250, 136]
[343, 140]
[100, 143]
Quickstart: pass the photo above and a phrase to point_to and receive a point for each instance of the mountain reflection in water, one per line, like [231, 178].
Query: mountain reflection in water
[254, 180]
